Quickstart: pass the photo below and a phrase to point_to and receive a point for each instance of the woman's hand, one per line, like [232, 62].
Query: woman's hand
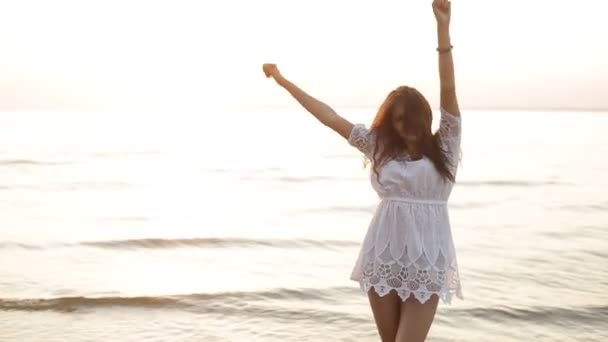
[443, 11]
[271, 70]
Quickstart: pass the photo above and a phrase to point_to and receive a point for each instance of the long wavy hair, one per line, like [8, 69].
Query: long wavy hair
[417, 117]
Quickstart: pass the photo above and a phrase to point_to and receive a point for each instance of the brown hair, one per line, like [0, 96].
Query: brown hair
[418, 117]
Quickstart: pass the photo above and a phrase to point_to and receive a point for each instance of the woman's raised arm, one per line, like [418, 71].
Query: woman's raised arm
[324, 113]
[447, 92]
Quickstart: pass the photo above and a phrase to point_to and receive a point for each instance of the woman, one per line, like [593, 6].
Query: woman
[407, 260]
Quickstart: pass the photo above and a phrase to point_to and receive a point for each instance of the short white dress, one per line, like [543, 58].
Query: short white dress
[408, 246]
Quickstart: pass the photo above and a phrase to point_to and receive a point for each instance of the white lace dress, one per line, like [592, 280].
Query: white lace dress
[408, 246]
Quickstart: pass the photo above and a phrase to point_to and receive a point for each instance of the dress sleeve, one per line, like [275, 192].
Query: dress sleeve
[360, 138]
[450, 132]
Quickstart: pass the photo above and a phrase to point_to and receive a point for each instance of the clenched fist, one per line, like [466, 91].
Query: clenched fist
[442, 10]
[271, 70]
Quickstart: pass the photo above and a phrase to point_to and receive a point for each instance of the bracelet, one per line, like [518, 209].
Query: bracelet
[444, 50]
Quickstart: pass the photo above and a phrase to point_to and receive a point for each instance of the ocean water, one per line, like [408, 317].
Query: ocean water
[244, 226]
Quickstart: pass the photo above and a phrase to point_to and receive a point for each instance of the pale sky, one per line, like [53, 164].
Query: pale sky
[131, 54]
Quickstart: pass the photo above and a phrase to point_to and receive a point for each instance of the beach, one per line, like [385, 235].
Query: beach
[245, 226]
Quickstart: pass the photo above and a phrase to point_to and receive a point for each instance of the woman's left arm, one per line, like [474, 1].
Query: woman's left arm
[447, 92]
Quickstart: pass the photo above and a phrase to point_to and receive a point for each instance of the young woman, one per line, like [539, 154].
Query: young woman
[407, 260]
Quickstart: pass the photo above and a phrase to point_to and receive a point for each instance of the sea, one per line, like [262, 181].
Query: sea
[244, 225]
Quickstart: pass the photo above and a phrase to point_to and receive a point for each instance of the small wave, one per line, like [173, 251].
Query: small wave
[74, 186]
[307, 179]
[70, 304]
[220, 301]
[94, 185]
[294, 179]
[288, 312]
[347, 209]
[153, 243]
[585, 231]
[507, 183]
[266, 303]
[216, 243]
[17, 245]
[124, 154]
[598, 254]
[125, 218]
[471, 205]
[15, 162]
[584, 207]
[538, 314]
[243, 171]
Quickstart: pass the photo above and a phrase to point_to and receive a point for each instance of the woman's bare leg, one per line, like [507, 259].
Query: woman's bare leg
[386, 313]
[416, 319]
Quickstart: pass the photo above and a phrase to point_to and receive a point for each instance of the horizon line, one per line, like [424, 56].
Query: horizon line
[273, 107]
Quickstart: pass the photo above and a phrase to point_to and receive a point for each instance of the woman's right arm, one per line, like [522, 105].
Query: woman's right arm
[324, 113]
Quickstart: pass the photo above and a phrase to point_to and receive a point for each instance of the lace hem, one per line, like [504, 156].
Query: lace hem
[422, 296]
[419, 279]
